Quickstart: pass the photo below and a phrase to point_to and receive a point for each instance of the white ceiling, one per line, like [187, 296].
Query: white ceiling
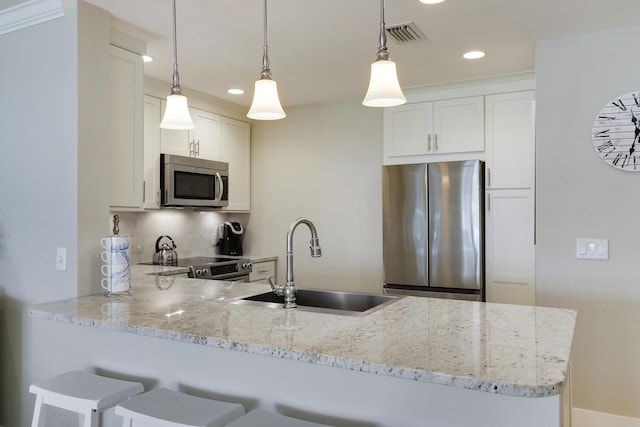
[321, 50]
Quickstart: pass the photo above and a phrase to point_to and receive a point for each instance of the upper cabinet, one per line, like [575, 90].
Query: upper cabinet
[151, 166]
[204, 141]
[126, 127]
[510, 136]
[435, 127]
[236, 150]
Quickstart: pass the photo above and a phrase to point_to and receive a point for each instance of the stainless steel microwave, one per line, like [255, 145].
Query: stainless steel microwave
[194, 182]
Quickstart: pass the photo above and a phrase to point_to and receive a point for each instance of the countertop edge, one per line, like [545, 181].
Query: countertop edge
[469, 383]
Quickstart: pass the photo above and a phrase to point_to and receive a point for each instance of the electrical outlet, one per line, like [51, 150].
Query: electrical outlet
[61, 259]
[592, 249]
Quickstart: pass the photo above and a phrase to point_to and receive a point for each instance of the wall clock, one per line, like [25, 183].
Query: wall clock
[616, 132]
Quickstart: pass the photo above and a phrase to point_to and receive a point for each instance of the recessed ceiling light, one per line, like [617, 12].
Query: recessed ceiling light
[431, 1]
[235, 91]
[147, 58]
[474, 54]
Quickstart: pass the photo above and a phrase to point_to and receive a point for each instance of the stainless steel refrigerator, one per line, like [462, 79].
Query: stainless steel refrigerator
[433, 229]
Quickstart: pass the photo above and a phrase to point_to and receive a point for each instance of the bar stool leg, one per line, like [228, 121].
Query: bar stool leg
[39, 412]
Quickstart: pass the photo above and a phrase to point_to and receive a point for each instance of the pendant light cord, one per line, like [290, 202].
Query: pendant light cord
[383, 53]
[175, 89]
[266, 72]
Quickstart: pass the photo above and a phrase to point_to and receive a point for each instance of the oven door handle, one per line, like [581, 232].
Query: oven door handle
[221, 186]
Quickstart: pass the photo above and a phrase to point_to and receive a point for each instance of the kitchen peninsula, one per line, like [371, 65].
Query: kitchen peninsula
[417, 362]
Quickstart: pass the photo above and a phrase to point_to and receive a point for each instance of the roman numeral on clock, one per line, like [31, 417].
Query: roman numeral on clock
[620, 105]
[605, 146]
[619, 157]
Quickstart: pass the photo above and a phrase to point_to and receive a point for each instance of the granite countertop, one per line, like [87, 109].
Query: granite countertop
[497, 348]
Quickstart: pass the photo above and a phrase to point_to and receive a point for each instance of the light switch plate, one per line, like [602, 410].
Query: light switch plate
[61, 259]
[592, 249]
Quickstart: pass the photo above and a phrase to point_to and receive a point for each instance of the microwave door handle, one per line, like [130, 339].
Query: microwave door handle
[219, 179]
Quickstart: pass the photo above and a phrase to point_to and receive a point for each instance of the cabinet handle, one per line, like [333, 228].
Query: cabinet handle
[198, 148]
[144, 191]
[435, 144]
[488, 177]
[488, 202]
[429, 142]
[192, 150]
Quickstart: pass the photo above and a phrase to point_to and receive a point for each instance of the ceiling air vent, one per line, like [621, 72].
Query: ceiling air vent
[405, 33]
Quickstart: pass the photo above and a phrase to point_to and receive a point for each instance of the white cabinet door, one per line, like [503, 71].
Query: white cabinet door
[408, 129]
[203, 141]
[458, 125]
[510, 250]
[510, 140]
[126, 119]
[236, 150]
[440, 127]
[151, 174]
[207, 134]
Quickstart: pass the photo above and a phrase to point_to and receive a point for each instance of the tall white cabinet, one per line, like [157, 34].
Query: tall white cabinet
[510, 205]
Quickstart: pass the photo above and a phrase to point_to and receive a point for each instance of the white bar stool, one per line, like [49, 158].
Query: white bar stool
[167, 408]
[82, 392]
[261, 418]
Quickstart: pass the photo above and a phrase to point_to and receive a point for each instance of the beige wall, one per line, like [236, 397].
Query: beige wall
[579, 196]
[322, 162]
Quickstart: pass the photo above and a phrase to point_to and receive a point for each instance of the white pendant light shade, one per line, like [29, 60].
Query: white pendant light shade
[176, 115]
[384, 88]
[266, 103]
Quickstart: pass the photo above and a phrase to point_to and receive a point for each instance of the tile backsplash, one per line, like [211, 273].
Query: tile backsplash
[194, 232]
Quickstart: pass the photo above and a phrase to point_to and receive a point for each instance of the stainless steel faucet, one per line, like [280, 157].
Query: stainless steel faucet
[288, 291]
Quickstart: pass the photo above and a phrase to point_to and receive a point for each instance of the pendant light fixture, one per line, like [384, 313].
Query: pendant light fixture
[266, 103]
[384, 89]
[176, 114]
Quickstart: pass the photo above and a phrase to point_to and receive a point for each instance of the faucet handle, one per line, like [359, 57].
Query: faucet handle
[274, 287]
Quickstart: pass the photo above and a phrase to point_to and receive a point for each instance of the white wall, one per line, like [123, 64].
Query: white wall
[40, 184]
[322, 162]
[580, 196]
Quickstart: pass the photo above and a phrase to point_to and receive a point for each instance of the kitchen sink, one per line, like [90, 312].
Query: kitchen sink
[324, 301]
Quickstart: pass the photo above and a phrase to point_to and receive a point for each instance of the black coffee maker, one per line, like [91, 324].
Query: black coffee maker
[230, 238]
